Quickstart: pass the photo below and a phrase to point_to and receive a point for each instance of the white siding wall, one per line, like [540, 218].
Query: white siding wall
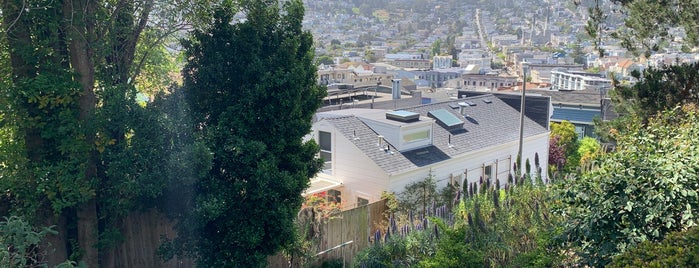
[359, 175]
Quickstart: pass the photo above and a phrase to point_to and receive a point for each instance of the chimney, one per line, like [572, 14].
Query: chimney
[396, 88]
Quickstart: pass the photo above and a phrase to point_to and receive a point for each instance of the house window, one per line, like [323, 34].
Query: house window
[580, 130]
[487, 171]
[362, 202]
[334, 196]
[416, 136]
[325, 142]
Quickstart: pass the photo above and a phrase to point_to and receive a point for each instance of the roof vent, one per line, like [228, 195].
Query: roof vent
[403, 116]
[462, 106]
[487, 101]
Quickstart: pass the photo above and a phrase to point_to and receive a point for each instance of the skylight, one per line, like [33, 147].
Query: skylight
[403, 116]
[445, 118]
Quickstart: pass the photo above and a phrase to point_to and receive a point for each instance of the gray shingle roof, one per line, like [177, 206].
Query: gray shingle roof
[537, 107]
[485, 125]
[584, 97]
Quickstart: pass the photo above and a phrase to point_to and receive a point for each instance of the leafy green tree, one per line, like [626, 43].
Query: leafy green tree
[81, 151]
[436, 47]
[158, 66]
[647, 23]
[658, 89]
[325, 59]
[370, 56]
[564, 148]
[640, 192]
[252, 89]
[419, 196]
[588, 148]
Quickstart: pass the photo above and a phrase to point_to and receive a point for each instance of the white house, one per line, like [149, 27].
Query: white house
[368, 151]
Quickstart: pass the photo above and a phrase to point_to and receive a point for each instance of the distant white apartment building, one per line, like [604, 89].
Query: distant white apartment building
[403, 56]
[542, 72]
[441, 62]
[562, 79]
[476, 57]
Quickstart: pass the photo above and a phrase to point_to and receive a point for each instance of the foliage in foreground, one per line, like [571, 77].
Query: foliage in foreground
[19, 244]
[658, 89]
[678, 249]
[489, 227]
[644, 190]
[252, 89]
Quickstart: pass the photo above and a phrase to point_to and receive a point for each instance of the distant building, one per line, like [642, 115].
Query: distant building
[441, 62]
[542, 72]
[562, 79]
[403, 56]
[623, 68]
[436, 78]
[580, 107]
[504, 40]
[412, 64]
[476, 57]
[490, 82]
[355, 74]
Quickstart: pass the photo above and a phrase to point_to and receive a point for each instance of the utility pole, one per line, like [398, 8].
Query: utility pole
[525, 68]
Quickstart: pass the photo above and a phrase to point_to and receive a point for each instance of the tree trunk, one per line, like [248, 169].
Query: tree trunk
[81, 13]
[56, 246]
[19, 41]
[87, 233]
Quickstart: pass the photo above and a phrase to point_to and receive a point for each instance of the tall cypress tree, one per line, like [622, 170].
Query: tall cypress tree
[252, 89]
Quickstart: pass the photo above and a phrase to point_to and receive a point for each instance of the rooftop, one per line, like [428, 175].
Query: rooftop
[490, 122]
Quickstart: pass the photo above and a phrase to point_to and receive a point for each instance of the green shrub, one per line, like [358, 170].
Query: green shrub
[679, 249]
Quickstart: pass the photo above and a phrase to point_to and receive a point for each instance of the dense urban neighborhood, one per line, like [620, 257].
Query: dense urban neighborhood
[358, 133]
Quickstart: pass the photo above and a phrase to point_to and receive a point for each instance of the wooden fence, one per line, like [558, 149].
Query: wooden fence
[355, 225]
[142, 233]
